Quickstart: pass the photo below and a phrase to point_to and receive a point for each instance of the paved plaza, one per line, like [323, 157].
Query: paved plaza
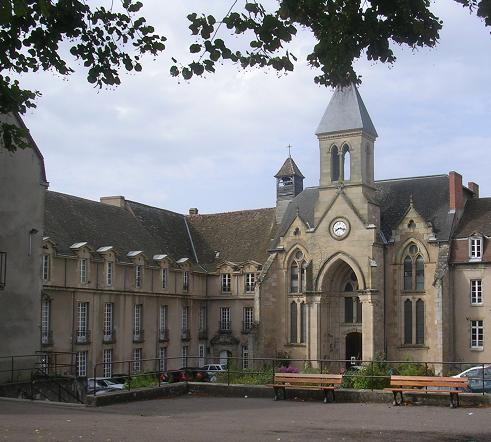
[192, 418]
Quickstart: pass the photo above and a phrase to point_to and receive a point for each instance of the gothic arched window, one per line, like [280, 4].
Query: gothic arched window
[294, 277]
[420, 322]
[408, 321]
[334, 163]
[298, 273]
[293, 322]
[414, 269]
[346, 163]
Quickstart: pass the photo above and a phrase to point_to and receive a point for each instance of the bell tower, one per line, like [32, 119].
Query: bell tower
[289, 183]
[346, 140]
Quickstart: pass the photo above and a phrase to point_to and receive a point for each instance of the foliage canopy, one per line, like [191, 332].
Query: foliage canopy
[43, 34]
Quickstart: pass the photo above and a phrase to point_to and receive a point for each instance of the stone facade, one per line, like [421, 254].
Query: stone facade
[344, 271]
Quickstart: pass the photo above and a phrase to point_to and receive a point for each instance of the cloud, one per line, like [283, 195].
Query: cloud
[215, 143]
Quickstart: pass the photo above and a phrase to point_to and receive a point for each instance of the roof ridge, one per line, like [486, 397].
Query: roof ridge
[412, 178]
[231, 212]
[154, 207]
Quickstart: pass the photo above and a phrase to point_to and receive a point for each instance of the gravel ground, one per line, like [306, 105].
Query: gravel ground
[196, 418]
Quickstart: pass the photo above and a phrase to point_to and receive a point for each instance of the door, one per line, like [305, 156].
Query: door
[353, 349]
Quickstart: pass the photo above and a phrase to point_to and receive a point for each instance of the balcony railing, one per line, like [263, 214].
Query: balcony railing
[225, 326]
[109, 336]
[203, 333]
[138, 336]
[164, 335]
[47, 337]
[82, 336]
[246, 327]
[185, 334]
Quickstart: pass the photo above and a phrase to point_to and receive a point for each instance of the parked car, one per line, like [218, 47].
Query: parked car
[477, 378]
[184, 374]
[102, 385]
[213, 369]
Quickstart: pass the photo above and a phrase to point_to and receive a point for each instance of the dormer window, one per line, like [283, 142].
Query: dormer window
[164, 278]
[185, 280]
[226, 282]
[138, 276]
[475, 248]
[83, 270]
[45, 268]
[109, 273]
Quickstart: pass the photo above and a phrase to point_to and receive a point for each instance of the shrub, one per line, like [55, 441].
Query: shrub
[411, 368]
[372, 376]
[140, 381]
[288, 370]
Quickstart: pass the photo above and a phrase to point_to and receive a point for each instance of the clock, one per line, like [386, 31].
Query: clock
[339, 228]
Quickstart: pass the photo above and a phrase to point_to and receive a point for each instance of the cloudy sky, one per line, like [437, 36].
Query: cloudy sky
[215, 143]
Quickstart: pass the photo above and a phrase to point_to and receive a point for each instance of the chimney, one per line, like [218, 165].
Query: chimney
[456, 194]
[474, 188]
[117, 201]
[193, 211]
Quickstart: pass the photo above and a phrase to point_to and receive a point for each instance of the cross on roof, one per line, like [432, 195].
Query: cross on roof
[289, 150]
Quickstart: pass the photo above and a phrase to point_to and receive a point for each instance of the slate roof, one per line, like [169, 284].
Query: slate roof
[238, 236]
[346, 111]
[289, 168]
[476, 219]
[69, 219]
[429, 195]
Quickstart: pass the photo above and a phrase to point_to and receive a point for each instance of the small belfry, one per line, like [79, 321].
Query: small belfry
[289, 183]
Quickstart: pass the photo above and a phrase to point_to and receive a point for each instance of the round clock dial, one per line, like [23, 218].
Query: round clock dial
[339, 228]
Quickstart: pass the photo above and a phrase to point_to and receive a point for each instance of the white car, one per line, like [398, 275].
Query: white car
[212, 370]
[479, 381]
[103, 384]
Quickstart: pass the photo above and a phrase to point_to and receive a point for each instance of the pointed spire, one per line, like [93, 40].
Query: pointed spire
[289, 168]
[346, 111]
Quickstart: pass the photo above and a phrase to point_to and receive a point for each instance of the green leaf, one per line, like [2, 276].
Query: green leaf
[195, 48]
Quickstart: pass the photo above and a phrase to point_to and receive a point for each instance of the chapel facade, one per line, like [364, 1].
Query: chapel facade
[347, 270]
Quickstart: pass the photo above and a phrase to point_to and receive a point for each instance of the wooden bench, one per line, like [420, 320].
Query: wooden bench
[427, 384]
[324, 382]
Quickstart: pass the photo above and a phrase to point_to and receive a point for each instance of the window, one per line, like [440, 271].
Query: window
[250, 282]
[248, 319]
[163, 359]
[45, 268]
[298, 273]
[477, 335]
[83, 271]
[293, 322]
[226, 282]
[138, 276]
[81, 363]
[109, 273]
[137, 322]
[164, 278]
[245, 357]
[184, 355]
[3, 269]
[225, 324]
[294, 277]
[303, 322]
[414, 269]
[408, 322]
[108, 322]
[82, 335]
[202, 318]
[201, 354]
[348, 309]
[476, 292]
[359, 310]
[108, 362]
[45, 321]
[163, 321]
[334, 164]
[346, 163]
[475, 247]
[185, 318]
[420, 322]
[185, 281]
[137, 360]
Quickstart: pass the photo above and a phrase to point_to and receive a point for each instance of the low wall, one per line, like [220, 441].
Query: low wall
[50, 389]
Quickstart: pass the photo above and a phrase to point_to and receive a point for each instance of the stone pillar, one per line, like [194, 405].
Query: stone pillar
[314, 329]
[372, 324]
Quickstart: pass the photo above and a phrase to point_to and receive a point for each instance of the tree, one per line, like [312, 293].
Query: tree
[106, 40]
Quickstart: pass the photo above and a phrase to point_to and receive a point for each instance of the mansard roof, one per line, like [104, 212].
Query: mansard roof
[346, 111]
[289, 168]
[429, 195]
[235, 236]
[476, 218]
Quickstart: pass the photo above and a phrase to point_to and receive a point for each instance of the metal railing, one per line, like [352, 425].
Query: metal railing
[82, 336]
[109, 337]
[46, 338]
[163, 334]
[185, 334]
[138, 336]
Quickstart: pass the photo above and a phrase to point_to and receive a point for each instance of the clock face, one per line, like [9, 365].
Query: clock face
[339, 228]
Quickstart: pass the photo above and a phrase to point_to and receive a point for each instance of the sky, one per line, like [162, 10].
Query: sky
[215, 143]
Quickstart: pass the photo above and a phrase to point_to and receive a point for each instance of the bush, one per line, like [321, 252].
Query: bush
[372, 376]
[140, 381]
[411, 368]
[247, 376]
[288, 370]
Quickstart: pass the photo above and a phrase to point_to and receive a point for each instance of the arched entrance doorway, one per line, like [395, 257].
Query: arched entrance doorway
[341, 313]
[224, 355]
[353, 349]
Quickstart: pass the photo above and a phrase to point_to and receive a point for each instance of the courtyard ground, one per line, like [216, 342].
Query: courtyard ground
[192, 418]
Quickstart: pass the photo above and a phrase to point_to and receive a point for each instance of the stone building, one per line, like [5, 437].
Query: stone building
[22, 188]
[346, 270]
